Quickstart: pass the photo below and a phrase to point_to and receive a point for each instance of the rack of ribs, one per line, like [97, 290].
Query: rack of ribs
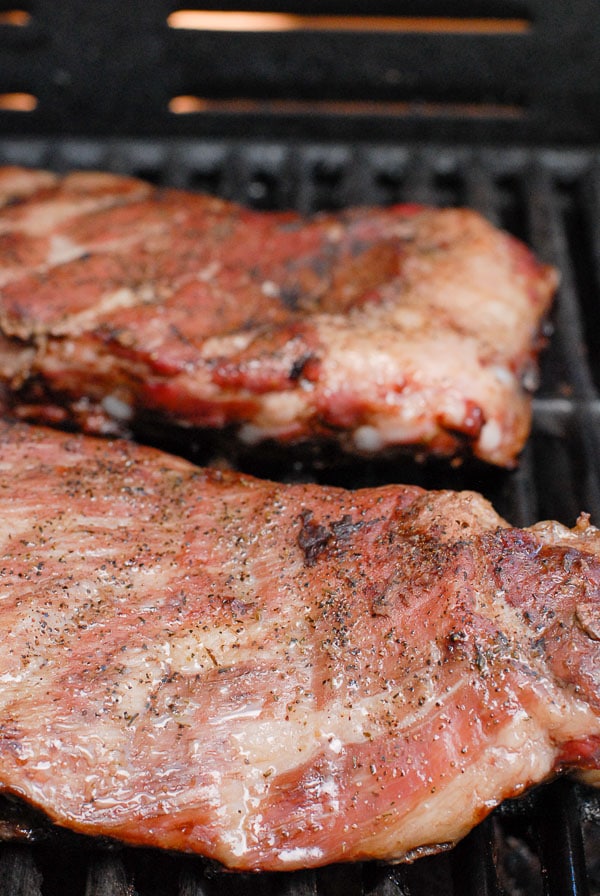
[280, 676]
[372, 327]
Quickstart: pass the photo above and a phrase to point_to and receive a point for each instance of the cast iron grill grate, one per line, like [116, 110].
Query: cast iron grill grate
[547, 844]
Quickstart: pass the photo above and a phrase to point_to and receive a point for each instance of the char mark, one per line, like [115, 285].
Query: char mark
[314, 539]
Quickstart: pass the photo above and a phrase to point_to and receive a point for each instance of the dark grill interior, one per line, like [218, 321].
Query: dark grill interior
[549, 842]
[489, 69]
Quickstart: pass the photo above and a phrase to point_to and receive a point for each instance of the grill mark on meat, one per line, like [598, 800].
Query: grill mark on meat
[314, 538]
[375, 328]
[270, 362]
[290, 296]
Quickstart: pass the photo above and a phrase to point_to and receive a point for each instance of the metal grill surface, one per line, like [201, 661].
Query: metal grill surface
[547, 844]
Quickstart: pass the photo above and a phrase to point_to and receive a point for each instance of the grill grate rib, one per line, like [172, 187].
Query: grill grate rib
[562, 857]
[19, 873]
[473, 864]
[537, 846]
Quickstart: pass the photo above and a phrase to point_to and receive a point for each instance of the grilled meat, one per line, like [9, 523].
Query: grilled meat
[373, 327]
[281, 676]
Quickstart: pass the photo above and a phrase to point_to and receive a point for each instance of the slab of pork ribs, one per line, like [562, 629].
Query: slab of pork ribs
[281, 676]
[374, 328]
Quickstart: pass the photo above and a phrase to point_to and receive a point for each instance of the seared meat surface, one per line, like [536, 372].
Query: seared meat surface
[281, 676]
[380, 327]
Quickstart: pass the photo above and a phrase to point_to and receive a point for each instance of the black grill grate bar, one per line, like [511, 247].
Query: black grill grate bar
[548, 237]
[420, 185]
[106, 876]
[19, 875]
[473, 865]
[561, 844]
[389, 882]
[480, 191]
[322, 178]
[190, 885]
[238, 175]
[522, 501]
[360, 179]
[299, 883]
[590, 201]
